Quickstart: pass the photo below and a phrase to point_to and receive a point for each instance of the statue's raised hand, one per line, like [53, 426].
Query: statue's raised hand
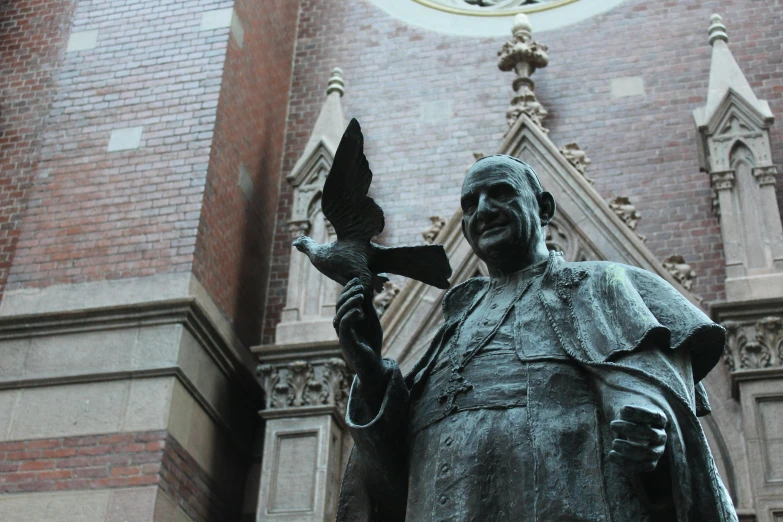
[361, 337]
[640, 438]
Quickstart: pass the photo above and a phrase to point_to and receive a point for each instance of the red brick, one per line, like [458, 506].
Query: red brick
[55, 475]
[37, 465]
[128, 470]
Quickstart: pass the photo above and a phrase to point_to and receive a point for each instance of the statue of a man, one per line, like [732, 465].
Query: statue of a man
[554, 391]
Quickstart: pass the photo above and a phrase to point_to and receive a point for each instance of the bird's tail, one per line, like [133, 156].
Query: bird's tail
[426, 263]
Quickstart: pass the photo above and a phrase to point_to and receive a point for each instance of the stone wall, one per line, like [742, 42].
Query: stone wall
[622, 84]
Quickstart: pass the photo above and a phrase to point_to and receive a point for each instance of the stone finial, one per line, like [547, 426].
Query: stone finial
[577, 157]
[717, 29]
[680, 270]
[431, 232]
[385, 297]
[336, 82]
[523, 56]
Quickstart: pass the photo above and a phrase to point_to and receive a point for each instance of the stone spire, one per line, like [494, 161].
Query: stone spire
[329, 126]
[725, 76]
[734, 149]
[310, 299]
[523, 56]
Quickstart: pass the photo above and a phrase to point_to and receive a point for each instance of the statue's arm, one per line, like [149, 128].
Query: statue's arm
[639, 416]
[377, 410]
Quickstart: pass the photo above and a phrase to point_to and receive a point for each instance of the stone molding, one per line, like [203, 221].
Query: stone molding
[186, 312]
[436, 225]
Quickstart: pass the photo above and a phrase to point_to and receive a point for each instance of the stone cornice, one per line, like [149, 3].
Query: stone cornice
[227, 355]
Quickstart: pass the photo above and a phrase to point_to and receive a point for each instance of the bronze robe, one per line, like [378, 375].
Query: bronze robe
[616, 324]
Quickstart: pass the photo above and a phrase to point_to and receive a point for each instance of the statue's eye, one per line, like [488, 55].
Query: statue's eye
[468, 205]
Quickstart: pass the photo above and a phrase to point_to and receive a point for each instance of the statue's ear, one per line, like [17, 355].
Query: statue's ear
[546, 208]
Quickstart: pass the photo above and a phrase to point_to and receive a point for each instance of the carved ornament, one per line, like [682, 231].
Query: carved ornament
[577, 157]
[301, 383]
[431, 232]
[627, 212]
[382, 300]
[680, 270]
[755, 344]
[523, 56]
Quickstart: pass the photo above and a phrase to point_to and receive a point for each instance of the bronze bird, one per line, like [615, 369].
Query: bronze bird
[356, 219]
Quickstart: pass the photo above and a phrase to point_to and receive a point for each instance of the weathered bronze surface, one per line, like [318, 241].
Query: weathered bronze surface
[554, 391]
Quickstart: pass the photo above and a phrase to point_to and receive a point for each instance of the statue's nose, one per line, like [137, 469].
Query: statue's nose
[485, 211]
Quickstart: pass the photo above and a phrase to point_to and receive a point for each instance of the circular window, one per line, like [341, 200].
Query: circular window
[493, 7]
[493, 18]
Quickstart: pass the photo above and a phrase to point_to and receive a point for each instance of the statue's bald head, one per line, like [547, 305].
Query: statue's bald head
[504, 210]
[516, 170]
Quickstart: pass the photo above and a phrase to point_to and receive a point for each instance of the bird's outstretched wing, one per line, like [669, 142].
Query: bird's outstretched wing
[345, 203]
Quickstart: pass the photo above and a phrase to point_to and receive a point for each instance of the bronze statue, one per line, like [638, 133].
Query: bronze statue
[356, 219]
[554, 391]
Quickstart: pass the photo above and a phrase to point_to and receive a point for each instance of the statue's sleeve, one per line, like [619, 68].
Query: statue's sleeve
[380, 439]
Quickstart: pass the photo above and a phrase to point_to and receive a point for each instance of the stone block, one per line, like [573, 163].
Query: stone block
[157, 346]
[245, 182]
[627, 86]
[125, 139]
[80, 353]
[216, 19]
[82, 41]
[149, 404]
[81, 506]
[8, 400]
[305, 332]
[75, 409]
[97, 294]
[13, 353]
[132, 505]
[237, 30]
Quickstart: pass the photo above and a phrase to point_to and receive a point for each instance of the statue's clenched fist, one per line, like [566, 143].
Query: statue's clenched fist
[640, 438]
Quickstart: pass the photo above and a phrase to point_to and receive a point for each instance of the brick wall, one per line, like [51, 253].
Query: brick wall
[173, 204]
[95, 214]
[32, 36]
[641, 147]
[118, 461]
[232, 252]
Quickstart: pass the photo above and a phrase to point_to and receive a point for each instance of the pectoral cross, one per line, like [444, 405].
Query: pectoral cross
[457, 384]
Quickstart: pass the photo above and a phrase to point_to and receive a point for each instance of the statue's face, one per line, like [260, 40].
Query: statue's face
[500, 215]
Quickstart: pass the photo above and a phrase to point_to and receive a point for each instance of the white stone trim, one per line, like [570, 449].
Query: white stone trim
[125, 139]
[491, 26]
[82, 41]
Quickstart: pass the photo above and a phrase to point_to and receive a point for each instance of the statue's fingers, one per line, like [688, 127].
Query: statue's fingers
[640, 415]
[345, 325]
[639, 432]
[352, 303]
[348, 292]
[643, 466]
[634, 450]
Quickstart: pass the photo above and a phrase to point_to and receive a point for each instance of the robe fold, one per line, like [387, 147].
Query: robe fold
[624, 331]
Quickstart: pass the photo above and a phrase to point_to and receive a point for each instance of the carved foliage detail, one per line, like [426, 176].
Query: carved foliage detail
[431, 232]
[382, 300]
[303, 383]
[754, 345]
[577, 157]
[680, 270]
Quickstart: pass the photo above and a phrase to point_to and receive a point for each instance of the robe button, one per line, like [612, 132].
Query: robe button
[493, 306]
[443, 499]
[448, 441]
[445, 469]
[486, 322]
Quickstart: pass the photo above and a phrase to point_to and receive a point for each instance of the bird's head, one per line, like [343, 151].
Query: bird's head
[304, 244]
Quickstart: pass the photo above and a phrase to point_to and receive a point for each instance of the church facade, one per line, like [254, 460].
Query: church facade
[164, 352]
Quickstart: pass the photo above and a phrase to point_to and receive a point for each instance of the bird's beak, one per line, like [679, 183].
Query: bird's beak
[299, 243]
